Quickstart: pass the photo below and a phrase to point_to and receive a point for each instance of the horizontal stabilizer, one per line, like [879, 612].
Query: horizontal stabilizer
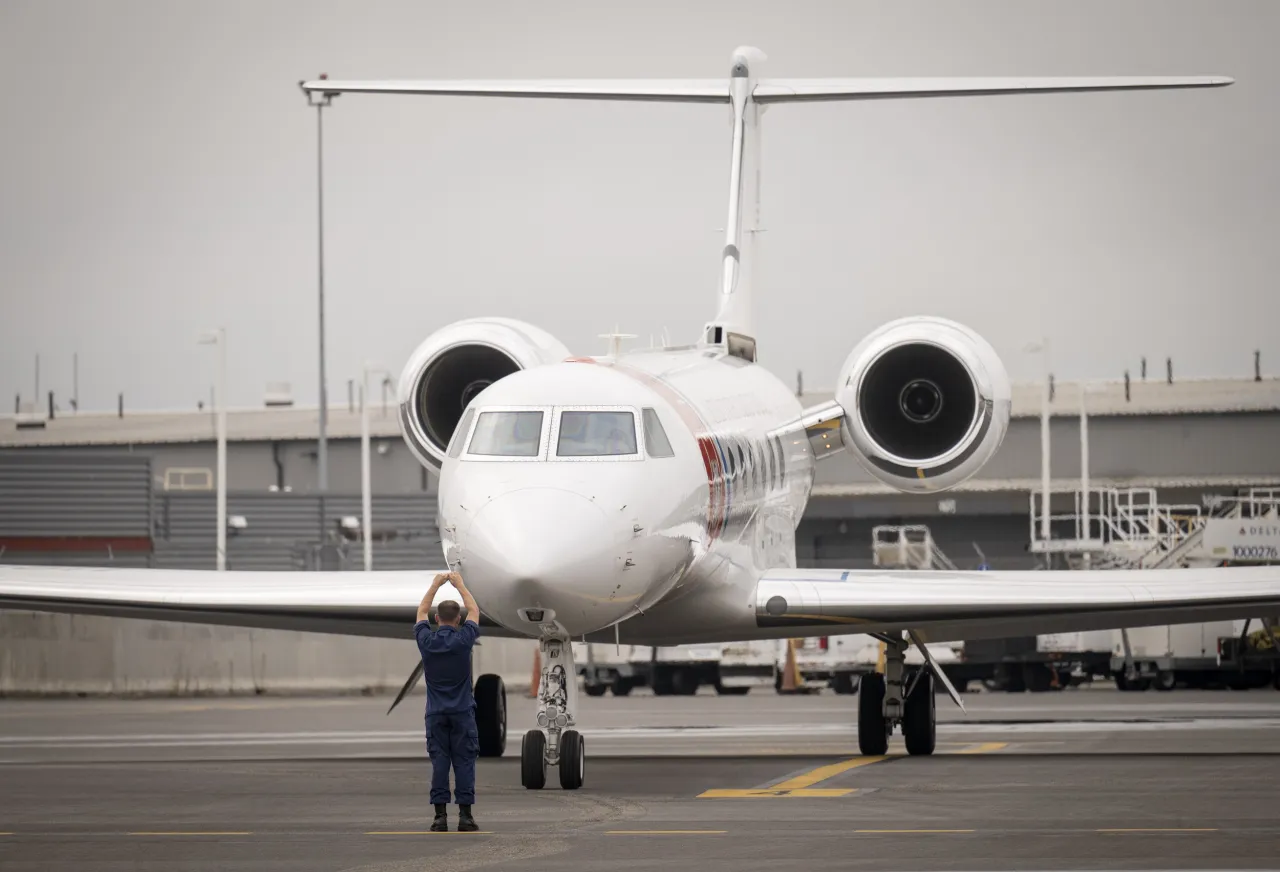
[662, 90]
[804, 90]
[766, 90]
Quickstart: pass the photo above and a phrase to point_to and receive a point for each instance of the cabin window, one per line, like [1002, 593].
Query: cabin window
[460, 433]
[596, 434]
[656, 442]
[507, 434]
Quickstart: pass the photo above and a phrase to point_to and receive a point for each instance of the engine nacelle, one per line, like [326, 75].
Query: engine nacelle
[456, 363]
[926, 403]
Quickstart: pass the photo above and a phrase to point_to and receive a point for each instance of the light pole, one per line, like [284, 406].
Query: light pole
[1042, 348]
[366, 487]
[321, 101]
[219, 338]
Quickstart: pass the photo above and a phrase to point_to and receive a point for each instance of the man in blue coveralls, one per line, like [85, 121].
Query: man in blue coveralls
[452, 738]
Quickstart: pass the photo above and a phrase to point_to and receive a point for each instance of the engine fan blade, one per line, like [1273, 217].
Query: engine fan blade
[409, 685]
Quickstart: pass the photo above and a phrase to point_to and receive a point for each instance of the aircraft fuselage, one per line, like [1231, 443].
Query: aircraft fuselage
[593, 532]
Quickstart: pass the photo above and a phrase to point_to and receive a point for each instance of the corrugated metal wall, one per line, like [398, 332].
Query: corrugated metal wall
[282, 531]
[64, 508]
[62, 493]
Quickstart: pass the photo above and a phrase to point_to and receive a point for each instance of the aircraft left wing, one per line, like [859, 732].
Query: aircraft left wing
[382, 604]
[944, 606]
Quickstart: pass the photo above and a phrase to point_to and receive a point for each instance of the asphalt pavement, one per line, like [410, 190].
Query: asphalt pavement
[1069, 780]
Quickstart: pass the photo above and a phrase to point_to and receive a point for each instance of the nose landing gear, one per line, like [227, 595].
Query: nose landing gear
[558, 746]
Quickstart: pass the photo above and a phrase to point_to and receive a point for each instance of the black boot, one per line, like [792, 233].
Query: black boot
[441, 823]
[466, 823]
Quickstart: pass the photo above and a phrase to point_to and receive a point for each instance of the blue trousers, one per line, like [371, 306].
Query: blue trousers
[453, 740]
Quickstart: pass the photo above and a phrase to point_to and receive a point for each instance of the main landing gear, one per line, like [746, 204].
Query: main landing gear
[491, 714]
[897, 698]
[557, 701]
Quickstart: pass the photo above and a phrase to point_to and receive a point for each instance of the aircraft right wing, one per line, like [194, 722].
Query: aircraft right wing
[943, 606]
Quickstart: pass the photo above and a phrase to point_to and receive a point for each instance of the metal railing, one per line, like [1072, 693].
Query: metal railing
[909, 546]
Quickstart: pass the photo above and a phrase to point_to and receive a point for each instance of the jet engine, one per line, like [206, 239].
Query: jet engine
[456, 363]
[926, 403]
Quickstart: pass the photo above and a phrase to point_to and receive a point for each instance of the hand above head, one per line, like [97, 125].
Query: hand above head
[424, 607]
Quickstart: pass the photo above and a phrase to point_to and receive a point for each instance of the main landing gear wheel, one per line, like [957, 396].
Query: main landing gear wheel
[491, 715]
[573, 759]
[873, 727]
[920, 717]
[533, 760]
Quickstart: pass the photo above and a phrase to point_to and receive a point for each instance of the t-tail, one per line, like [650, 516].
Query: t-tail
[747, 96]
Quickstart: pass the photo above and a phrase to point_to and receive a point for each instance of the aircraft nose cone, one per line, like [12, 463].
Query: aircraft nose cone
[548, 548]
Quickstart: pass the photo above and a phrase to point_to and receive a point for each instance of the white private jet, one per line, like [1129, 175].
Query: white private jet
[652, 496]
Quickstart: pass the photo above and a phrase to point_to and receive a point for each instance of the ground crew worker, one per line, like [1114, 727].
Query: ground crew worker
[452, 738]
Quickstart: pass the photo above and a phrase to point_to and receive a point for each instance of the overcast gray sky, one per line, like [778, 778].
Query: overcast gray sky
[157, 177]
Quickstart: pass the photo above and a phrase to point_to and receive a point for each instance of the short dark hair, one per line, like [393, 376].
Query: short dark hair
[448, 612]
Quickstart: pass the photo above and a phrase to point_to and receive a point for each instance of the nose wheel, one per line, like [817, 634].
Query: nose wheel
[554, 742]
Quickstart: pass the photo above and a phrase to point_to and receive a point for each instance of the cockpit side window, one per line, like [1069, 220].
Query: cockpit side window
[460, 433]
[656, 442]
[507, 434]
[596, 434]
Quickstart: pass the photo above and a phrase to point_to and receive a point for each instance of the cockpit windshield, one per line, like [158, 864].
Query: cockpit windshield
[507, 434]
[596, 434]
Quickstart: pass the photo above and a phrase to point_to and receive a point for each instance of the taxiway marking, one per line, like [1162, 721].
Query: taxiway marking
[983, 748]
[666, 832]
[802, 785]
[194, 833]
[913, 832]
[1159, 830]
[430, 833]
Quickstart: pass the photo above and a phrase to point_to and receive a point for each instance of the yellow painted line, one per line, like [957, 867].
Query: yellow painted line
[666, 832]
[913, 831]
[822, 773]
[801, 785]
[984, 748]
[430, 833]
[194, 833]
[1163, 830]
[764, 792]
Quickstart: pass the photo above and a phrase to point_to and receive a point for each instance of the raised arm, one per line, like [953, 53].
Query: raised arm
[424, 607]
[468, 601]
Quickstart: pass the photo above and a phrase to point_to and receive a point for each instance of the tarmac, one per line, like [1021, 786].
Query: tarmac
[1078, 779]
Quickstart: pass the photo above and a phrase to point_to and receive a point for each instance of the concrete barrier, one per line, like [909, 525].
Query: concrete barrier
[52, 655]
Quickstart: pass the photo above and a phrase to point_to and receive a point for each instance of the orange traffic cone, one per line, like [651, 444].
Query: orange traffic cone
[790, 671]
[537, 673]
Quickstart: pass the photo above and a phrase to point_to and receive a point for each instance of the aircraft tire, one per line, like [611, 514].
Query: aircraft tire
[920, 718]
[620, 686]
[1165, 680]
[684, 682]
[845, 683]
[533, 760]
[594, 689]
[573, 759]
[491, 715]
[873, 729]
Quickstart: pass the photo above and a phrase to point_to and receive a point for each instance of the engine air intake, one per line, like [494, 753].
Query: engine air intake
[918, 401]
